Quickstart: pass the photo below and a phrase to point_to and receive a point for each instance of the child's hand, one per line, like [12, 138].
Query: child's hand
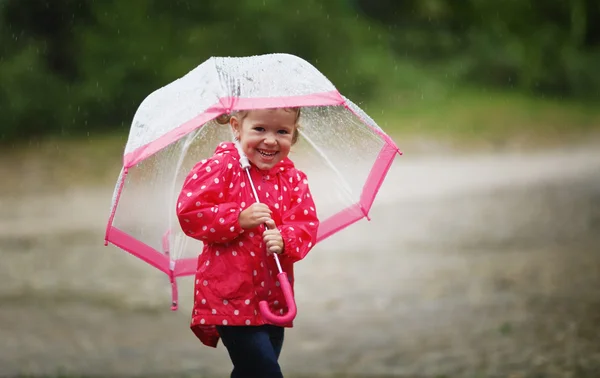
[255, 215]
[272, 238]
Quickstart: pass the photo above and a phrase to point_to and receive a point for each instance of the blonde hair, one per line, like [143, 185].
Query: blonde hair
[224, 119]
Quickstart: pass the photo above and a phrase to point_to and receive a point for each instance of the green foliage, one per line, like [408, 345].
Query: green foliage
[537, 46]
[81, 66]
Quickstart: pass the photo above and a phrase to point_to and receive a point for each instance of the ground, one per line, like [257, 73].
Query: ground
[474, 265]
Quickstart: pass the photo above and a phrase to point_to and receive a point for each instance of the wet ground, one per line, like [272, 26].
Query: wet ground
[473, 266]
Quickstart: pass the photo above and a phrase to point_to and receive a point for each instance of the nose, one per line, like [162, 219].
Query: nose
[270, 140]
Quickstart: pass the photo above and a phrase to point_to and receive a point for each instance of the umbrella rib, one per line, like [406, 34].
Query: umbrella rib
[346, 185]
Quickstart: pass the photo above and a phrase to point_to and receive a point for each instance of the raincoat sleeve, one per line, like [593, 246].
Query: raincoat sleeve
[203, 209]
[299, 224]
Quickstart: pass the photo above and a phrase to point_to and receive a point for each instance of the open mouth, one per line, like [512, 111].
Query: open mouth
[267, 153]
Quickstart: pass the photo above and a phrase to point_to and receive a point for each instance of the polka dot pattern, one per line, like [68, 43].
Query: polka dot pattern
[233, 277]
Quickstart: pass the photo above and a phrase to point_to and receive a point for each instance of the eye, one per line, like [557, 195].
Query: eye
[283, 131]
[259, 129]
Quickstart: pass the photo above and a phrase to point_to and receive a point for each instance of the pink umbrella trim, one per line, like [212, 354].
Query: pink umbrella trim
[328, 227]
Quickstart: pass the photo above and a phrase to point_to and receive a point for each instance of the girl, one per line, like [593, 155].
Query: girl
[217, 206]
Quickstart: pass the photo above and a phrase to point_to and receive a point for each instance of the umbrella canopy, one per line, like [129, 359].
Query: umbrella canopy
[344, 153]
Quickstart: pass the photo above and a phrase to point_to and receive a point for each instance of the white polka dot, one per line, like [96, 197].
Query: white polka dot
[243, 184]
[309, 244]
[203, 187]
[281, 311]
[224, 322]
[216, 180]
[276, 187]
[199, 215]
[207, 169]
[241, 244]
[255, 272]
[186, 220]
[247, 301]
[220, 195]
[230, 185]
[203, 301]
[252, 254]
[243, 204]
[234, 253]
[305, 212]
[225, 302]
[277, 206]
[197, 282]
[251, 234]
[189, 194]
[205, 283]
[195, 176]
[222, 220]
[212, 230]
[276, 303]
[179, 205]
[214, 311]
[229, 166]
[277, 284]
[232, 228]
[236, 312]
[296, 189]
[247, 322]
[217, 253]
[207, 263]
[262, 284]
[202, 321]
[197, 292]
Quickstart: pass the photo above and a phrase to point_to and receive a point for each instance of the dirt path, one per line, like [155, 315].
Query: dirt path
[472, 265]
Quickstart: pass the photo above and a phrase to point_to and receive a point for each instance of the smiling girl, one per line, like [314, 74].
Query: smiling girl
[217, 207]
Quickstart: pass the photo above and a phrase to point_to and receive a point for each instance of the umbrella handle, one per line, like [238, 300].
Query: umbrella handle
[281, 320]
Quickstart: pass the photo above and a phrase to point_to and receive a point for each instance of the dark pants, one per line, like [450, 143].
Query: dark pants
[254, 350]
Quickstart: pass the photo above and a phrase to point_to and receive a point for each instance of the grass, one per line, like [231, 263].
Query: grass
[473, 117]
[424, 112]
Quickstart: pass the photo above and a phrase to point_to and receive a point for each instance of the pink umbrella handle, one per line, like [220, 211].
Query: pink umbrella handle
[281, 320]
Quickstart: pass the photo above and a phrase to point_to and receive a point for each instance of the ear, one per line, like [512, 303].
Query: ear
[235, 127]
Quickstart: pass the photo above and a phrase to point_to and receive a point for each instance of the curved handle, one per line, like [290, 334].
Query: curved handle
[266, 313]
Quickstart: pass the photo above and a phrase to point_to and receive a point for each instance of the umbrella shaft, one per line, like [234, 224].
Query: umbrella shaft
[258, 201]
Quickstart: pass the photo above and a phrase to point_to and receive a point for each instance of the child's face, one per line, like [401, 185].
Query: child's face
[265, 135]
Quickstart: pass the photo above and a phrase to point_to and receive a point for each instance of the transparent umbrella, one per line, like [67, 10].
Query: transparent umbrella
[345, 154]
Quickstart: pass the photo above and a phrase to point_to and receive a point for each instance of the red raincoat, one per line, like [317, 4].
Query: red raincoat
[233, 272]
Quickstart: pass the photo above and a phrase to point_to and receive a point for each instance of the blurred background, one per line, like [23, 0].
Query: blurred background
[483, 255]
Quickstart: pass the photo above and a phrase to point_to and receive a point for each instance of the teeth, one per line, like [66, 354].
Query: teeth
[266, 154]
